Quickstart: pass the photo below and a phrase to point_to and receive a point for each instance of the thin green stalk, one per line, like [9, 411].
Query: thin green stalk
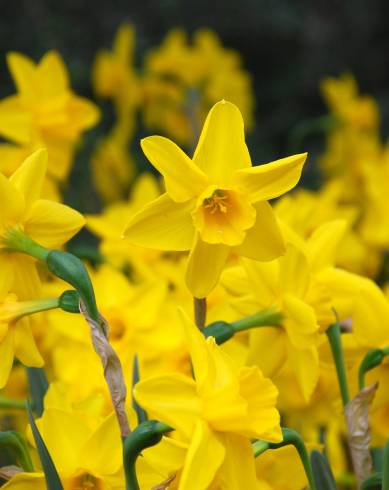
[200, 312]
[334, 337]
[385, 467]
[265, 318]
[11, 403]
[15, 239]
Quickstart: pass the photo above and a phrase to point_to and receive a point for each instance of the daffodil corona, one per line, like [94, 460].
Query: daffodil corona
[215, 202]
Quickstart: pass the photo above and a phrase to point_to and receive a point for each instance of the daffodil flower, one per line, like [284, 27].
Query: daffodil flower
[49, 223]
[217, 414]
[216, 202]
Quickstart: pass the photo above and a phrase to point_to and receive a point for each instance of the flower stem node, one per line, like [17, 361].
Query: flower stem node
[371, 360]
[70, 268]
[70, 301]
[221, 331]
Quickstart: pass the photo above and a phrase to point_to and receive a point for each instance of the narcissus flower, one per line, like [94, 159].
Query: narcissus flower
[49, 223]
[45, 111]
[216, 414]
[216, 202]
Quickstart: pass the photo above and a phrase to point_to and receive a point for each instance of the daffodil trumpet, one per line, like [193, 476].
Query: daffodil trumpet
[289, 437]
[146, 434]
[371, 360]
[223, 331]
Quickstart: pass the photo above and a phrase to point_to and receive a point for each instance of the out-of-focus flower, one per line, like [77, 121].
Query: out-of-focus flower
[44, 112]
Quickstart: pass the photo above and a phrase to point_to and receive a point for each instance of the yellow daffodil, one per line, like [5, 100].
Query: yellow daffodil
[49, 223]
[45, 111]
[216, 202]
[85, 457]
[216, 414]
[16, 339]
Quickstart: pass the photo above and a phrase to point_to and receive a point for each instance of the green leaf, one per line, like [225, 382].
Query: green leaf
[53, 481]
[141, 414]
[17, 448]
[38, 387]
[373, 482]
[322, 472]
[385, 467]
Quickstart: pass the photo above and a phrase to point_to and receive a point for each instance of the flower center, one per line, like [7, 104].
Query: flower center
[223, 216]
[85, 481]
[217, 202]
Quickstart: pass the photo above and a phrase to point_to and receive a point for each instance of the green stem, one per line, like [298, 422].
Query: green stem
[371, 360]
[334, 337]
[147, 434]
[385, 467]
[12, 403]
[264, 318]
[200, 311]
[290, 437]
[16, 240]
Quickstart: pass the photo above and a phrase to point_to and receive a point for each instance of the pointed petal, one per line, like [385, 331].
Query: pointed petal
[23, 71]
[52, 224]
[205, 264]
[271, 180]
[6, 357]
[103, 449]
[269, 360]
[64, 434]
[172, 399]
[6, 275]
[183, 179]
[264, 240]
[370, 316]
[238, 469]
[300, 322]
[25, 348]
[26, 481]
[305, 363]
[206, 447]
[29, 177]
[12, 200]
[53, 76]
[26, 282]
[263, 281]
[294, 273]
[196, 345]
[162, 224]
[324, 244]
[221, 149]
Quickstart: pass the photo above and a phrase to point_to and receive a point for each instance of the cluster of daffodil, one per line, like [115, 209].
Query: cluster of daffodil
[214, 341]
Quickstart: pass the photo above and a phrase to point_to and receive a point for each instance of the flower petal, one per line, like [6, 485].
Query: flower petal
[29, 177]
[183, 179]
[264, 240]
[324, 244]
[6, 357]
[26, 481]
[205, 264]
[12, 200]
[6, 275]
[23, 72]
[305, 363]
[300, 322]
[221, 149]
[162, 224]
[269, 360]
[172, 399]
[206, 447]
[15, 121]
[52, 224]
[25, 347]
[238, 469]
[294, 275]
[268, 181]
[102, 452]
[26, 282]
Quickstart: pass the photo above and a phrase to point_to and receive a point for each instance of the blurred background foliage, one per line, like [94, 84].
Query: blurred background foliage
[287, 46]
